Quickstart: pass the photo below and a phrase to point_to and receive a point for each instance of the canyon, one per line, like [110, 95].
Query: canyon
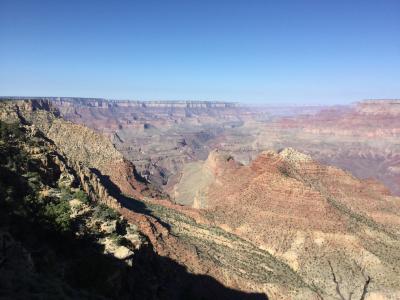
[160, 140]
[223, 199]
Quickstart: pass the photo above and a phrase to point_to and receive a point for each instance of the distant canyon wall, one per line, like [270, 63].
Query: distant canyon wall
[108, 103]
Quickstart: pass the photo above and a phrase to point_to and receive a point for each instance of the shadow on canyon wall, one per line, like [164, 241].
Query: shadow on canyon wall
[67, 267]
[127, 202]
[157, 277]
[164, 278]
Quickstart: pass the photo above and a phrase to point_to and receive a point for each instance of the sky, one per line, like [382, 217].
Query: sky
[253, 51]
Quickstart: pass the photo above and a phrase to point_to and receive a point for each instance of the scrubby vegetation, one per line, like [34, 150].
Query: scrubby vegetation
[21, 184]
[81, 196]
[105, 213]
[35, 212]
[10, 131]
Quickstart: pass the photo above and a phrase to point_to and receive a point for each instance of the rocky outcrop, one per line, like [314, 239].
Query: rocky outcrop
[81, 145]
[51, 231]
[92, 185]
[309, 215]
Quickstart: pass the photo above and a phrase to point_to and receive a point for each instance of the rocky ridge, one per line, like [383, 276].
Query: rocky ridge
[320, 220]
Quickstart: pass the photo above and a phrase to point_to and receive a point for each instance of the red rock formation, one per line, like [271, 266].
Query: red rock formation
[309, 215]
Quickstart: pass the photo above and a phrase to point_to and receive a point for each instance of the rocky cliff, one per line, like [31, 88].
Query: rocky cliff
[54, 226]
[79, 143]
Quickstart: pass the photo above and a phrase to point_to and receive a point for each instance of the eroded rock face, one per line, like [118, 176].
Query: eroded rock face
[320, 220]
[84, 147]
[51, 231]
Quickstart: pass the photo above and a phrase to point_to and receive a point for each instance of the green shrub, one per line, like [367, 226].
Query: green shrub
[81, 195]
[58, 215]
[120, 240]
[105, 213]
[10, 131]
[66, 194]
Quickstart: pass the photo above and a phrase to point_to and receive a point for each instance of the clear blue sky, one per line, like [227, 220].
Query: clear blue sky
[252, 51]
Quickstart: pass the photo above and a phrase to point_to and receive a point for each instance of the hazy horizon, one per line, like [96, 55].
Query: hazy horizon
[244, 103]
[308, 52]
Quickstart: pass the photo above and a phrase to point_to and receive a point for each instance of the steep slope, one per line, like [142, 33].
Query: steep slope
[320, 220]
[81, 144]
[52, 233]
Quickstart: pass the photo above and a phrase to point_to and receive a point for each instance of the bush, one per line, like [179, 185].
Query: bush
[10, 131]
[58, 215]
[66, 194]
[120, 240]
[81, 195]
[105, 213]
